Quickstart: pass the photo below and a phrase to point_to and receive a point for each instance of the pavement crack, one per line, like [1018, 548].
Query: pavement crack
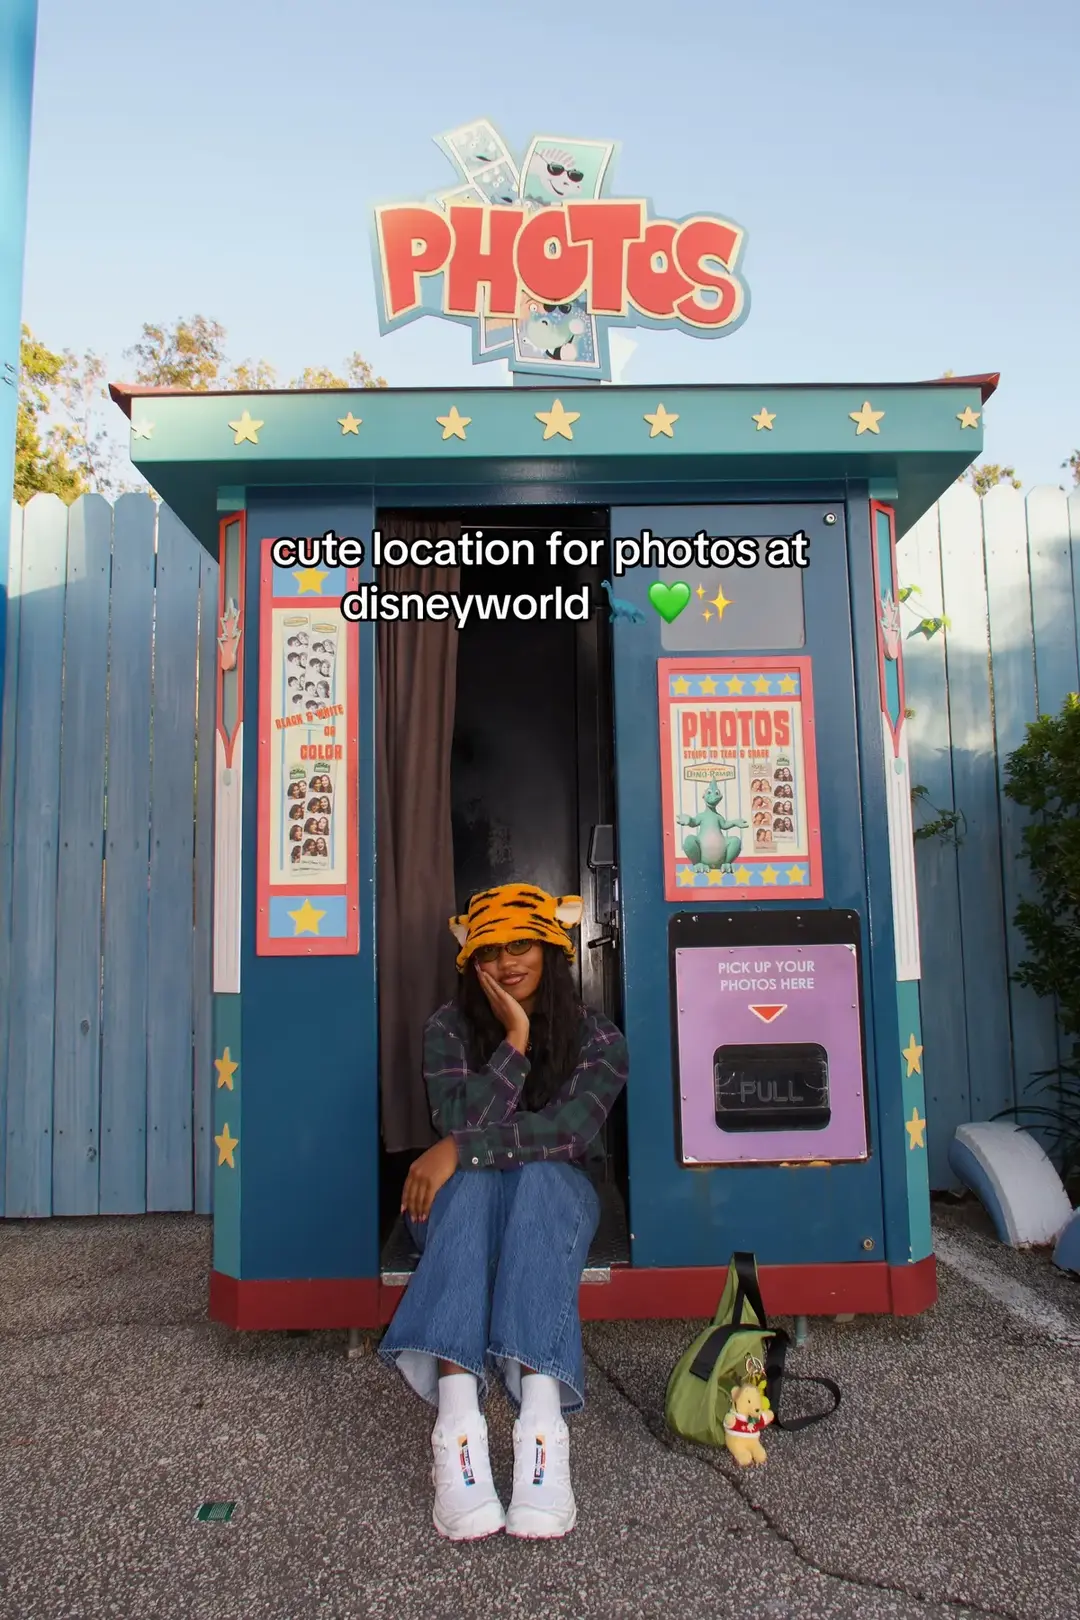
[657, 1427]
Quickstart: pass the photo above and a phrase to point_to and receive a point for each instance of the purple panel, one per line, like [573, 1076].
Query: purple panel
[818, 988]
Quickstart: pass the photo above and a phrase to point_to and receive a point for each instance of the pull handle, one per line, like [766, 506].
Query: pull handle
[605, 939]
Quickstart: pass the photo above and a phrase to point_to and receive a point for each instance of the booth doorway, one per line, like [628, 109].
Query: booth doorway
[532, 782]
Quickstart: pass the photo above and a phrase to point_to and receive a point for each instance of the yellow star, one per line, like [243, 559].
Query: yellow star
[764, 419]
[716, 877]
[770, 875]
[141, 430]
[557, 421]
[708, 685]
[734, 686]
[454, 425]
[246, 430]
[968, 418]
[794, 874]
[309, 579]
[787, 683]
[686, 875]
[307, 919]
[226, 1146]
[720, 602]
[913, 1054]
[226, 1067]
[761, 685]
[742, 875]
[350, 423]
[706, 615]
[916, 1129]
[867, 419]
[660, 422]
[700, 592]
[680, 686]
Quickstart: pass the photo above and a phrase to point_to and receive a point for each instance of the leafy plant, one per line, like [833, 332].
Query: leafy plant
[946, 824]
[1043, 776]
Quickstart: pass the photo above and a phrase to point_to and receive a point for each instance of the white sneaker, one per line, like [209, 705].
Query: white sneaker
[467, 1506]
[543, 1503]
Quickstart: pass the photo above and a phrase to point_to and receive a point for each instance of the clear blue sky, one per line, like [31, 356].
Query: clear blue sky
[906, 173]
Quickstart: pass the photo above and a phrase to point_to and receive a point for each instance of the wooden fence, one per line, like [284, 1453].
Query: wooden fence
[105, 1104]
[1006, 573]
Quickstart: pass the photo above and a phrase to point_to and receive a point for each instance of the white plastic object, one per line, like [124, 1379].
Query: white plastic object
[1011, 1175]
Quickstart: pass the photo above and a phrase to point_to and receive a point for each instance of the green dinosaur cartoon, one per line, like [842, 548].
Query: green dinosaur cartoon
[708, 849]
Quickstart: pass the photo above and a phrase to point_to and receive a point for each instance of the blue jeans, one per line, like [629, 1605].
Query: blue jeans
[501, 1257]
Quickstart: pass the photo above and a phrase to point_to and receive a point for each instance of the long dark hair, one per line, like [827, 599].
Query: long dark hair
[556, 1026]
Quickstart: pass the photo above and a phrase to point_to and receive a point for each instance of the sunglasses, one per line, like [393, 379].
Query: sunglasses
[563, 309]
[516, 947]
[571, 174]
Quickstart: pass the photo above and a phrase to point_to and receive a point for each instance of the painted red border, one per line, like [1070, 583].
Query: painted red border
[694, 667]
[894, 586]
[306, 946]
[229, 743]
[634, 1294]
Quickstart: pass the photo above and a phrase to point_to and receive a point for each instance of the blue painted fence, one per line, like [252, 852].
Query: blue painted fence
[105, 862]
[1006, 572]
[105, 829]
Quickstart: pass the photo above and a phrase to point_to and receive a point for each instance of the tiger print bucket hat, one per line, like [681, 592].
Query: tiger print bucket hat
[516, 911]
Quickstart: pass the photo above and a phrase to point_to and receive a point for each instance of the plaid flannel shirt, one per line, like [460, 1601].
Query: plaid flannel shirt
[479, 1107]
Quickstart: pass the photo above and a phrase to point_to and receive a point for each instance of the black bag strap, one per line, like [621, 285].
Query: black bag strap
[707, 1357]
[776, 1376]
[748, 1292]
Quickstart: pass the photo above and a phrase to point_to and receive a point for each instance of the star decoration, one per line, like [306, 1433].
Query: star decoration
[735, 686]
[350, 423]
[686, 875]
[708, 685]
[660, 421]
[968, 418]
[309, 579]
[226, 1146]
[680, 686]
[866, 419]
[913, 1054]
[720, 602]
[764, 419]
[307, 919]
[454, 425]
[557, 421]
[742, 876]
[246, 430]
[706, 616]
[716, 876]
[761, 686]
[770, 875]
[700, 592]
[794, 874]
[916, 1129]
[787, 683]
[141, 430]
[226, 1067]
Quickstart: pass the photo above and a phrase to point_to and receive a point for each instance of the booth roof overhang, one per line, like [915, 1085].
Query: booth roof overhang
[908, 441]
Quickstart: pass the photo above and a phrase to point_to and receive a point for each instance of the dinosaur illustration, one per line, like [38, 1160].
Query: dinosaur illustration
[626, 611]
[708, 849]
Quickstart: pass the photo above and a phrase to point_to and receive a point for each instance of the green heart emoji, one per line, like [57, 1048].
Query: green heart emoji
[669, 600]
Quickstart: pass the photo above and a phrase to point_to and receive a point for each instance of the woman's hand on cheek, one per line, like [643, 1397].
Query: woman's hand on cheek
[510, 1013]
[427, 1175]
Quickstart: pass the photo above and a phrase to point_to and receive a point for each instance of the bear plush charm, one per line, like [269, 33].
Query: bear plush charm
[746, 1421]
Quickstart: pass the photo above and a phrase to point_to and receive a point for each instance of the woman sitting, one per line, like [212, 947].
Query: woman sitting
[520, 1078]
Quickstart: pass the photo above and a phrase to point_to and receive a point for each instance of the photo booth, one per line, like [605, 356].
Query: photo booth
[713, 757]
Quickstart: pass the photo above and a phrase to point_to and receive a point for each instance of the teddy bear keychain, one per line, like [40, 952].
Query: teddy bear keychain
[749, 1415]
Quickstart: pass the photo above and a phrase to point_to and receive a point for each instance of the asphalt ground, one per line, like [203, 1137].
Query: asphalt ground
[946, 1485]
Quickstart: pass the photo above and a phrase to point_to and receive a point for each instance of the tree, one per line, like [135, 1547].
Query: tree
[984, 477]
[1073, 465]
[191, 354]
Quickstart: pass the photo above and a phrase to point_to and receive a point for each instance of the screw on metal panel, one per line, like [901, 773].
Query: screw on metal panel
[85, 1026]
[868, 1243]
[830, 517]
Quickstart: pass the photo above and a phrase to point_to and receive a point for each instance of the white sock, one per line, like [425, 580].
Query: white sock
[458, 1397]
[541, 1402]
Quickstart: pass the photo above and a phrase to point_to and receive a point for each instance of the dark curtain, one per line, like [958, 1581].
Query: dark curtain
[417, 671]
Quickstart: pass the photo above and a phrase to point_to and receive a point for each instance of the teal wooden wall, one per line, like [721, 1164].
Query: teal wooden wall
[1006, 572]
[105, 834]
[105, 845]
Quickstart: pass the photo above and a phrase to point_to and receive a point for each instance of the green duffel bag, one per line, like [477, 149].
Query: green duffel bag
[739, 1347]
